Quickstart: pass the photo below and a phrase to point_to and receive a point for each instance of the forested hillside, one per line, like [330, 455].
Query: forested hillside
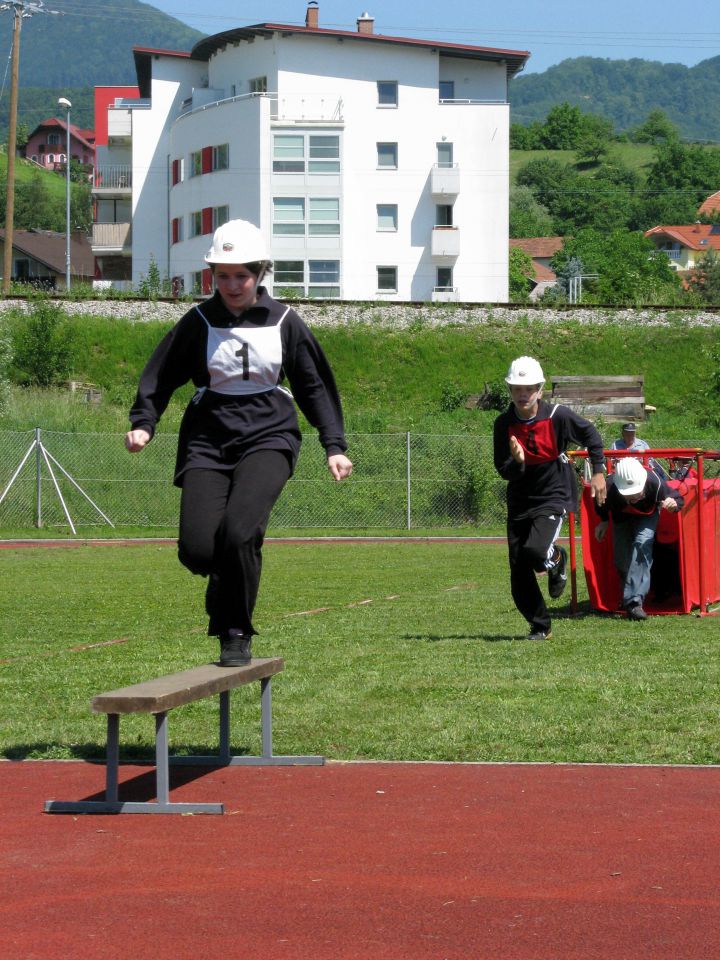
[85, 44]
[625, 91]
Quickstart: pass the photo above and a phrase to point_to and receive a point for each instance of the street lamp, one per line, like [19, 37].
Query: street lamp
[64, 102]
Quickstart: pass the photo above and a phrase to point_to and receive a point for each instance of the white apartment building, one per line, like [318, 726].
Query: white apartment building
[377, 167]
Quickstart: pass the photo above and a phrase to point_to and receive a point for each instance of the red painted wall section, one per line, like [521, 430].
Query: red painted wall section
[104, 98]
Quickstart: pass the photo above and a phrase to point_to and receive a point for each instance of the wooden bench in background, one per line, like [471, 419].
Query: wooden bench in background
[158, 697]
[613, 398]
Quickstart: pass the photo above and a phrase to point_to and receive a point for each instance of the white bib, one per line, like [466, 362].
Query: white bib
[244, 360]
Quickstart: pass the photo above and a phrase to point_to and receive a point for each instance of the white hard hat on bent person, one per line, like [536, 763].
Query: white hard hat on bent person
[525, 371]
[630, 477]
[238, 241]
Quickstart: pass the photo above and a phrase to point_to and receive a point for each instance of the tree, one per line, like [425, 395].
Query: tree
[630, 269]
[562, 127]
[704, 281]
[525, 138]
[594, 139]
[520, 273]
[528, 217]
[657, 128]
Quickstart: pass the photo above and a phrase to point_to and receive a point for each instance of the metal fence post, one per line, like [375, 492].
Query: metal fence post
[38, 479]
[407, 471]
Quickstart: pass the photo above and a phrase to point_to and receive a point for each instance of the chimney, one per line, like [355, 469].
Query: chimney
[311, 17]
[365, 23]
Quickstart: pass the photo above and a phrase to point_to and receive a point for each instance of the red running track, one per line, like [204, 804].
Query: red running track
[367, 861]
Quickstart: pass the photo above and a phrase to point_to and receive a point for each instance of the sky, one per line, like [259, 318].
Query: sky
[552, 30]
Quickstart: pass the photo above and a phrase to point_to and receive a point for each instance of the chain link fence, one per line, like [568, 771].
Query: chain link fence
[400, 482]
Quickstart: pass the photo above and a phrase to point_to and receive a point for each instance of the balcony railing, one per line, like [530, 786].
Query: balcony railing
[445, 242]
[111, 237]
[445, 180]
[113, 176]
[288, 108]
[444, 294]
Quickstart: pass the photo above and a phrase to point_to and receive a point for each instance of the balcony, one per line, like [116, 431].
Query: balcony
[119, 126]
[115, 178]
[445, 242]
[444, 295]
[109, 238]
[305, 108]
[445, 180]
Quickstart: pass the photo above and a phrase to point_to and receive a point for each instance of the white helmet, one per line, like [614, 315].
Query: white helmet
[524, 371]
[237, 241]
[630, 477]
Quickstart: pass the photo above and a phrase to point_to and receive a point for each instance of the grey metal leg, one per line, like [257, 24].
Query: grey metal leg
[266, 716]
[113, 757]
[162, 771]
[224, 727]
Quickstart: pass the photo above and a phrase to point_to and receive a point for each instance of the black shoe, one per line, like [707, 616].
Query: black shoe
[235, 649]
[557, 575]
[539, 635]
[636, 612]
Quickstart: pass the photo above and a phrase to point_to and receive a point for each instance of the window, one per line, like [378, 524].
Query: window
[289, 275]
[220, 157]
[387, 91]
[444, 154]
[324, 278]
[196, 163]
[177, 230]
[289, 154]
[258, 85]
[291, 150]
[324, 154]
[387, 216]
[443, 215]
[324, 217]
[195, 223]
[444, 278]
[387, 279]
[201, 282]
[288, 217]
[176, 171]
[53, 139]
[387, 156]
[220, 215]
[446, 90]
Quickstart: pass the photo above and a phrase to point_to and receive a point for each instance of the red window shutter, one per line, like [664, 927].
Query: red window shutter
[207, 283]
[207, 219]
[175, 230]
[175, 172]
[207, 159]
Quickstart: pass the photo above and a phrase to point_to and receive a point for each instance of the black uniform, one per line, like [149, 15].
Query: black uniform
[540, 492]
[239, 438]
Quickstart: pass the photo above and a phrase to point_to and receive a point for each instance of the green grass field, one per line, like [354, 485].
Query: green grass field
[393, 651]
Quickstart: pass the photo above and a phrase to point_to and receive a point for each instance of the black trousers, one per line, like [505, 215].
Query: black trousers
[530, 545]
[223, 517]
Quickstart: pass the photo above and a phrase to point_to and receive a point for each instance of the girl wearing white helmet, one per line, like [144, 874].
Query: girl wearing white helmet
[239, 438]
[530, 441]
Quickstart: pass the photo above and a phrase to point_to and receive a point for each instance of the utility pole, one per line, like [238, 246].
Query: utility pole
[21, 9]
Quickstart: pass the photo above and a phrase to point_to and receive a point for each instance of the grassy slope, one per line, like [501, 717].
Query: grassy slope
[396, 380]
[636, 156]
[25, 171]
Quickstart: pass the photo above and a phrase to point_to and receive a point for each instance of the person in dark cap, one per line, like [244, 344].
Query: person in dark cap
[631, 441]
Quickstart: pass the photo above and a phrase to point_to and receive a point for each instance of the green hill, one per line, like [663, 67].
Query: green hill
[96, 40]
[625, 91]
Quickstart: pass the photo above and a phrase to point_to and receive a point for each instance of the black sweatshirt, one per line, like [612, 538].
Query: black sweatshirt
[237, 364]
[545, 483]
[653, 494]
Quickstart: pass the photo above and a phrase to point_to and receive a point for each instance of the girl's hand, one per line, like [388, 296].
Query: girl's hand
[135, 440]
[339, 466]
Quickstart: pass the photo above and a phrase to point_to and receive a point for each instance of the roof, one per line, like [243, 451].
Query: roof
[203, 49]
[76, 132]
[514, 59]
[694, 236]
[711, 205]
[48, 248]
[545, 247]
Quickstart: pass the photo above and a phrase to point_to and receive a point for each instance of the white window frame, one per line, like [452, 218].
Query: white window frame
[311, 153]
[384, 153]
[195, 224]
[220, 215]
[387, 211]
[387, 94]
[195, 163]
[385, 269]
[221, 157]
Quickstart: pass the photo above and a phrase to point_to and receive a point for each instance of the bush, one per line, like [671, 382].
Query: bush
[42, 346]
[5, 359]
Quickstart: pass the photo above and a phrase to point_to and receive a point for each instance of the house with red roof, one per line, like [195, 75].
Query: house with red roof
[47, 144]
[711, 206]
[541, 250]
[686, 244]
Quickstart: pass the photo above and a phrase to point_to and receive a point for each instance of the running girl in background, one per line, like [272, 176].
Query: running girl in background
[239, 438]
